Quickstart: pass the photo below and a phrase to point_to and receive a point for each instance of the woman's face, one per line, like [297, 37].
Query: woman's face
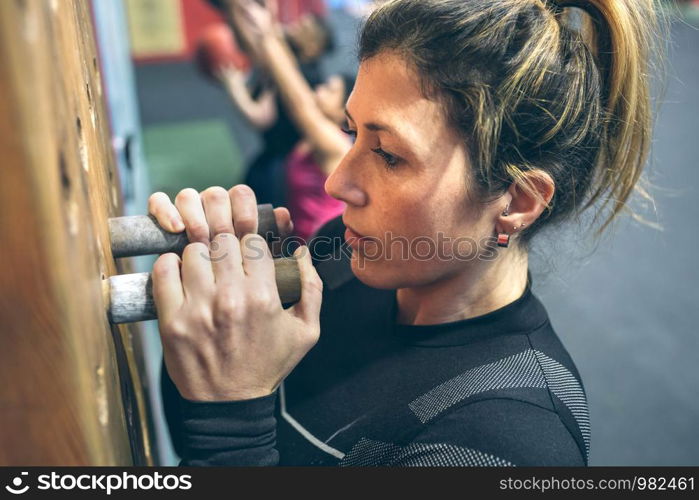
[405, 183]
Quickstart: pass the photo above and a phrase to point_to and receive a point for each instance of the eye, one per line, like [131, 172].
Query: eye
[351, 133]
[389, 159]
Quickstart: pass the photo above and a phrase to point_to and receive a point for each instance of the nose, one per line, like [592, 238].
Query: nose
[343, 184]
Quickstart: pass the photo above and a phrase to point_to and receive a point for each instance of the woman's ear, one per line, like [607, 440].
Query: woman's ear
[529, 197]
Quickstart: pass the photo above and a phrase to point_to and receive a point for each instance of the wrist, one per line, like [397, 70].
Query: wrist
[231, 396]
[229, 432]
[247, 394]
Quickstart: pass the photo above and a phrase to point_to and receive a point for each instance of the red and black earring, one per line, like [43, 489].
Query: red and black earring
[504, 238]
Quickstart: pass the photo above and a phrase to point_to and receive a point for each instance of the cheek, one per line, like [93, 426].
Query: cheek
[419, 242]
[420, 213]
[416, 200]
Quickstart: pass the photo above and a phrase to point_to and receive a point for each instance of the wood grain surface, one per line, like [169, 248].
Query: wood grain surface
[73, 388]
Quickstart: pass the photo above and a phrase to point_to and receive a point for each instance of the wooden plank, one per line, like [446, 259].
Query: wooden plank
[72, 390]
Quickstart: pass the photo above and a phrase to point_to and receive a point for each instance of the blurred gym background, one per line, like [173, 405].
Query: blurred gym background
[627, 308]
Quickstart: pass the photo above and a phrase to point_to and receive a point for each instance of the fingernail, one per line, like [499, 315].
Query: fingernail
[177, 223]
[300, 251]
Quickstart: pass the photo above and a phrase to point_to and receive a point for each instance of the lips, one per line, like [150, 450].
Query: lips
[352, 238]
[356, 234]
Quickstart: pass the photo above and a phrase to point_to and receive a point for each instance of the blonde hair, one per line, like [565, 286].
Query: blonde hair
[529, 89]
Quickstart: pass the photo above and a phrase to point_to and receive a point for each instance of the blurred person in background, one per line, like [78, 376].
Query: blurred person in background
[320, 151]
[310, 38]
[317, 113]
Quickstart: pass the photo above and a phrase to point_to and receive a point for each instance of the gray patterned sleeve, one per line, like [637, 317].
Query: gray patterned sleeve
[492, 432]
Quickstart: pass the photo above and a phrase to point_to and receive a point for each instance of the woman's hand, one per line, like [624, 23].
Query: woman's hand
[169, 217]
[225, 334]
[252, 21]
[233, 80]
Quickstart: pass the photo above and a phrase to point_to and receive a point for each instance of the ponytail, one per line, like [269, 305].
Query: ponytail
[623, 36]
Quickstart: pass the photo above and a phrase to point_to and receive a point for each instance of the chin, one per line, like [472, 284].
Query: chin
[391, 275]
[370, 274]
[377, 274]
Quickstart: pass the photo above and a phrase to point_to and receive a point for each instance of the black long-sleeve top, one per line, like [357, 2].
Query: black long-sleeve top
[499, 389]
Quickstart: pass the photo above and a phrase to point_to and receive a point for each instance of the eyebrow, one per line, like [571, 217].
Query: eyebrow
[376, 127]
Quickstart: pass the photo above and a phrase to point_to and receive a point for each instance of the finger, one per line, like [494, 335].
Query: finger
[226, 260]
[228, 72]
[217, 207]
[221, 73]
[246, 4]
[160, 207]
[259, 265]
[244, 208]
[188, 203]
[280, 245]
[167, 285]
[197, 273]
[308, 308]
[250, 10]
[284, 222]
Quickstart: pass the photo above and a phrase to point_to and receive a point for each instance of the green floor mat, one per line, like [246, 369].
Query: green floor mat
[192, 154]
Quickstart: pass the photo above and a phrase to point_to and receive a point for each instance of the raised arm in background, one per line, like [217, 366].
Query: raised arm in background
[255, 26]
[260, 112]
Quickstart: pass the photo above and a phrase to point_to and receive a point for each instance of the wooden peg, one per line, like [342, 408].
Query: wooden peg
[129, 297]
[141, 235]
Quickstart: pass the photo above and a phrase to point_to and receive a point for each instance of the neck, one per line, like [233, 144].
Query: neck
[470, 293]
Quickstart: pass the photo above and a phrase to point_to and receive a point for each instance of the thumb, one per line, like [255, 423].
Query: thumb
[308, 308]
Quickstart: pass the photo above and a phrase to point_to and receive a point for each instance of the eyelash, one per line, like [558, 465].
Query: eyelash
[352, 133]
[388, 159]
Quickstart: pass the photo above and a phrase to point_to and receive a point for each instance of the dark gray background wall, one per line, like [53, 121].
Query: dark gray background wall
[629, 313]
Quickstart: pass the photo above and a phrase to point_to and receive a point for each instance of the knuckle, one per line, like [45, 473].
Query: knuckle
[253, 241]
[174, 330]
[203, 325]
[262, 302]
[315, 333]
[195, 248]
[311, 337]
[186, 194]
[314, 283]
[221, 228]
[230, 309]
[202, 318]
[224, 239]
[258, 239]
[155, 198]
[199, 231]
[215, 193]
[242, 189]
[164, 263]
[245, 224]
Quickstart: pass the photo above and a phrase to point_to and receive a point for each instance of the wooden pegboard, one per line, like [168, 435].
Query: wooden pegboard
[72, 385]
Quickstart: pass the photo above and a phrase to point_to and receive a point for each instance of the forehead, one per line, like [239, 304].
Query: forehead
[387, 90]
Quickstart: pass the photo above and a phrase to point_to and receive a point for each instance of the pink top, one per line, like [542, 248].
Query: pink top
[310, 206]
